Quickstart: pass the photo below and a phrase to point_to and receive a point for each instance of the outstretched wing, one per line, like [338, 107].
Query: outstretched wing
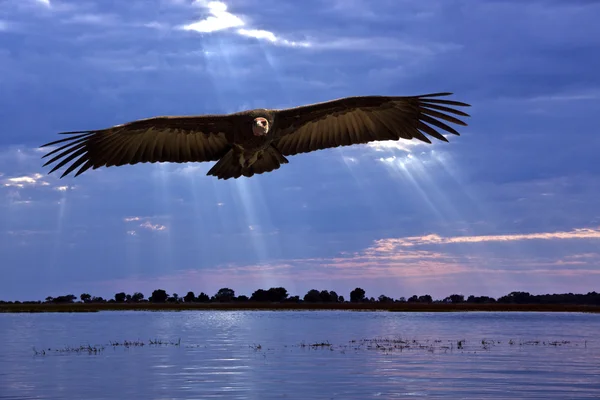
[364, 119]
[158, 139]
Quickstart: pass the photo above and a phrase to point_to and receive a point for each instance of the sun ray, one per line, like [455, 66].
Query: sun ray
[257, 221]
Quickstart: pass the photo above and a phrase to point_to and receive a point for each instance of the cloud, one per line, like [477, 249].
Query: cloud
[25, 180]
[145, 223]
[387, 264]
[153, 227]
[433, 239]
[221, 20]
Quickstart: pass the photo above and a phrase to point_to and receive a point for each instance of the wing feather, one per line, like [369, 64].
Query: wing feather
[159, 139]
[356, 120]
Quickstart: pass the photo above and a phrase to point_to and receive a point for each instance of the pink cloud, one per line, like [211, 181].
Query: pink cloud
[398, 263]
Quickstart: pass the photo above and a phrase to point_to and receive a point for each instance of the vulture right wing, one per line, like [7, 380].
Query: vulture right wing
[363, 119]
[158, 139]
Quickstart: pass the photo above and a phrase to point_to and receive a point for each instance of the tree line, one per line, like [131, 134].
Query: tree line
[358, 295]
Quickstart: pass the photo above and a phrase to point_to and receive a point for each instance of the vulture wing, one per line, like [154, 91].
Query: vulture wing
[159, 139]
[364, 119]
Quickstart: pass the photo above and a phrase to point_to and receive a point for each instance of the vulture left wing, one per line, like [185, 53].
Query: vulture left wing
[354, 120]
[159, 139]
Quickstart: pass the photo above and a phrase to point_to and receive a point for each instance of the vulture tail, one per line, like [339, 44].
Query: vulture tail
[229, 166]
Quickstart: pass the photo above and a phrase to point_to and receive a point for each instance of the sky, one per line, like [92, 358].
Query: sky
[510, 205]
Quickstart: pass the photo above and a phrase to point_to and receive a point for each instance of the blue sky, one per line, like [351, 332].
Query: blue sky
[512, 204]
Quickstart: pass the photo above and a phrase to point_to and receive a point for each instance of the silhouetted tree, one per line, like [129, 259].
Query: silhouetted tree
[98, 299]
[225, 295]
[333, 296]
[341, 299]
[203, 298]
[325, 296]
[425, 299]
[69, 298]
[242, 298]
[159, 296]
[455, 298]
[480, 299]
[385, 299]
[413, 299]
[401, 299]
[190, 297]
[259, 295]
[277, 294]
[293, 299]
[120, 297]
[519, 298]
[357, 295]
[312, 296]
[85, 297]
[174, 298]
[137, 297]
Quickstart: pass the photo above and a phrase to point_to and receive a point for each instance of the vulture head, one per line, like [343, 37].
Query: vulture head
[260, 126]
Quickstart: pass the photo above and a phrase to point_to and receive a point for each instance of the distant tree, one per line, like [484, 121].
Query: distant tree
[521, 298]
[128, 298]
[277, 294]
[401, 299]
[455, 298]
[225, 295]
[174, 298]
[385, 299]
[190, 297]
[159, 296]
[259, 295]
[49, 299]
[425, 299]
[69, 298]
[312, 296]
[137, 297]
[293, 299]
[357, 295]
[413, 299]
[325, 297]
[341, 299]
[480, 299]
[334, 296]
[120, 297]
[242, 298]
[203, 298]
[98, 299]
[85, 297]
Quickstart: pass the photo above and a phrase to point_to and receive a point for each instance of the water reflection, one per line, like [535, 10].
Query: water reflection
[299, 355]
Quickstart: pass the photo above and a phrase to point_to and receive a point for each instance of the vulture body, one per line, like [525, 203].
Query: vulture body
[256, 141]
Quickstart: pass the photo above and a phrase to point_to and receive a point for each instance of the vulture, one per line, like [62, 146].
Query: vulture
[257, 141]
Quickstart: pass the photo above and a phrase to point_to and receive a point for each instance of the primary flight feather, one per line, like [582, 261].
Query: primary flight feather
[257, 141]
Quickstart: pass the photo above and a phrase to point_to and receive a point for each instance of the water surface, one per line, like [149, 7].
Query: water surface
[299, 355]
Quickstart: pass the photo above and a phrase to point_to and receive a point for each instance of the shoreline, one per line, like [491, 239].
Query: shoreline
[252, 306]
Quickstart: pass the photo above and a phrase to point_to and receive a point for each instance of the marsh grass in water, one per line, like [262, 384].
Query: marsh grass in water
[385, 345]
[97, 349]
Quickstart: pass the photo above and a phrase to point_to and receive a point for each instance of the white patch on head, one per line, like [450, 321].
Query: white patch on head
[260, 127]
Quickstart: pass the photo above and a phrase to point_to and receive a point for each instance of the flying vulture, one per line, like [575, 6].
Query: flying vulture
[257, 141]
